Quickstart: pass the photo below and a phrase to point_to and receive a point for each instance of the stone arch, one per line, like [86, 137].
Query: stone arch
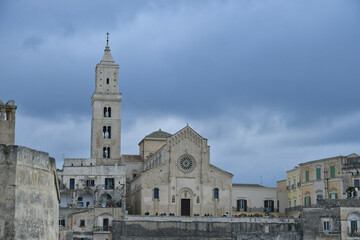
[353, 220]
[190, 193]
[105, 199]
[104, 221]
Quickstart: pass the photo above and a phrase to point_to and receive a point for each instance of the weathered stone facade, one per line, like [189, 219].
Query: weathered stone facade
[332, 219]
[203, 228]
[29, 197]
[7, 122]
[178, 178]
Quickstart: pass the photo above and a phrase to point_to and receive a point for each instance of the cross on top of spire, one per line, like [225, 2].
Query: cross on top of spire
[107, 38]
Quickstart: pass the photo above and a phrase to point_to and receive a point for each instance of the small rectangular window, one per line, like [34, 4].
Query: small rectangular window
[318, 174]
[356, 183]
[332, 171]
[72, 183]
[62, 222]
[241, 205]
[307, 176]
[326, 226]
[82, 223]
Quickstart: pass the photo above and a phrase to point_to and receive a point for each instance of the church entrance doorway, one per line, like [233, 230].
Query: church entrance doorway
[185, 207]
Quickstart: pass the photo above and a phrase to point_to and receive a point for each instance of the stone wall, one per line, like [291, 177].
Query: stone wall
[7, 122]
[29, 197]
[201, 228]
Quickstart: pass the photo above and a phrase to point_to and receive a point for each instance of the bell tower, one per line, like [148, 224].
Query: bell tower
[106, 109]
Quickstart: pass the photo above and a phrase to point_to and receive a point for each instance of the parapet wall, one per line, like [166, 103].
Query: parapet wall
[29, 200]
[201, 228]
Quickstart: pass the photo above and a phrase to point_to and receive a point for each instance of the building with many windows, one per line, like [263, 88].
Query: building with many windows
[321, 179]
[93, 190]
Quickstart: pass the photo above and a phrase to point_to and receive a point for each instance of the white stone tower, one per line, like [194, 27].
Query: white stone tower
[106, 109]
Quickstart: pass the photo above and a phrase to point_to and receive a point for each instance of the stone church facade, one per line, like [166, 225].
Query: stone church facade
[176, 177]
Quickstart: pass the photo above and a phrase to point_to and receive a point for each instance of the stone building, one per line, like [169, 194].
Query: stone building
[254, 200]
[350, 169]
[29, 197]
[174, 176]
[88, 185]
[7, 122]
[332, 219]
[293, 186]
[29, 194]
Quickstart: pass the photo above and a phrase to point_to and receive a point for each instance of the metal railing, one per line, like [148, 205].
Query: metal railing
[290, 209]
[102, 229]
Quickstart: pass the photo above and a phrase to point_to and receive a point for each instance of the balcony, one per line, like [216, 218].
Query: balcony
[291, 209]
[103, 229]
[353, 232]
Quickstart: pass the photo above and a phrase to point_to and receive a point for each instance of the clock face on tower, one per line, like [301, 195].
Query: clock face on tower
[186, 163]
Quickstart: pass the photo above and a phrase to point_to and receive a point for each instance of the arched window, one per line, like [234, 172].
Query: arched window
[354, 223]
[108, 149]
[216, 193]
[156, 193]
[106, 152]
[109, 131]
[307, 201]
[107, 111]
[104, 132]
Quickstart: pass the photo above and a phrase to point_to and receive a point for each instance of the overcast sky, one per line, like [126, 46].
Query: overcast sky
[269, 83]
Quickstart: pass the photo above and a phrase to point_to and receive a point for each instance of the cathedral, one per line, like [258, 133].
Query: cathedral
[171, 174]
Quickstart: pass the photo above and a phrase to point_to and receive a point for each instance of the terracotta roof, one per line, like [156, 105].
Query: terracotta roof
[158, 134]
[131, 158]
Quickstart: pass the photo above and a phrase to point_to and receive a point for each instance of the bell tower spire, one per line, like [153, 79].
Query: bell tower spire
[106, 109]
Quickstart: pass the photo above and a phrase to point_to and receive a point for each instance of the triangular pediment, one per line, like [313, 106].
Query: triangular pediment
[353, 155]
[188, 133]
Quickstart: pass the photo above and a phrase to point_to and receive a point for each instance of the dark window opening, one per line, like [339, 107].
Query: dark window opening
[356, 183]
[107, 111]
[156, 193]
[72, 183]
[269, 205]
[106, 224]
[326, 226]
[134, 175]
[80, 199]
[90, 183]
[106, 152]
[82, 223]
[107, 81]
[62, 222]
[109, 183]
[106, 132]
[216, 193]
[241, 205]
